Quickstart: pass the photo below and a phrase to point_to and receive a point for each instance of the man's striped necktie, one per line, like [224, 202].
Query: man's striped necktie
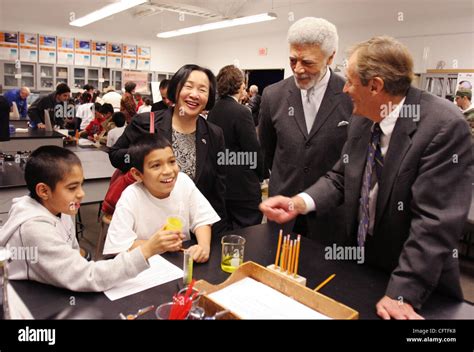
[374, 160]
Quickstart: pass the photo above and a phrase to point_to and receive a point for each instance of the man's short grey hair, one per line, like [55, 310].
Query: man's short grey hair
[314, 31]
[253, 88]
[26, 90]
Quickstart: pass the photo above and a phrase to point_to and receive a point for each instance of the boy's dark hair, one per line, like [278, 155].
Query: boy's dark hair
[145, 145]
[96, 108]
[107, 108]
[119, 119]
[62, 88]
[48, 164]
[85, 98]
[164, 84]
[180, 77]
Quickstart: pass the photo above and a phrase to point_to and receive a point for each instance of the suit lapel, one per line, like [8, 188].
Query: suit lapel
[328, 104]
[295, 108]
[164, 125]
[400, 143]
[202, 147]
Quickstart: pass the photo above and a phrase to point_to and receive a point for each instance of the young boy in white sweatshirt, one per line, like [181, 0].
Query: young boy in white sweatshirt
[161, 191]
[42, 221]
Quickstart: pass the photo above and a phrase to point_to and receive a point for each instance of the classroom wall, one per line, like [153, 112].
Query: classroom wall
[447, 40]
[167, 55]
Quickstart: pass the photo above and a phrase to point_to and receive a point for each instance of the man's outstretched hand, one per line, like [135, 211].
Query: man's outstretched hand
[282, 209]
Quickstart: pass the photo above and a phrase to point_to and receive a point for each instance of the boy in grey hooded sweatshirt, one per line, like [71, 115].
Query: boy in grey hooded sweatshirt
[41, 226]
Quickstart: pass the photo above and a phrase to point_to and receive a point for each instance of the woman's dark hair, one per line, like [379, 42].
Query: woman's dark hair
[129, 86]
[181, 76]
[144, 146]
[48, 164]
[229, 80]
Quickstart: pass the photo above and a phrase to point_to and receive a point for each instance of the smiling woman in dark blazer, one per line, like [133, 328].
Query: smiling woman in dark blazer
[196, 142]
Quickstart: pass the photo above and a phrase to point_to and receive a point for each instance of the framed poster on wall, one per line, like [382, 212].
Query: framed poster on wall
[82, 53]
[28, 47]
[114, 55]
[129, 57]
[99, 54]
[9, 46]
[65, 51]
[143, 58]
[47, 49]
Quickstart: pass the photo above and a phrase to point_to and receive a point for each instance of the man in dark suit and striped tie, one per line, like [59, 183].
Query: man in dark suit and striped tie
[405, 178]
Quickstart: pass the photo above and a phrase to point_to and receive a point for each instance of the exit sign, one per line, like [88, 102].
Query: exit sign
[262, 52]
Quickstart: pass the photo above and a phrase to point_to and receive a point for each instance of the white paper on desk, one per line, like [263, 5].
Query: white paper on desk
[21, 130]
[251, 299]
[85, 143]
[160, 272]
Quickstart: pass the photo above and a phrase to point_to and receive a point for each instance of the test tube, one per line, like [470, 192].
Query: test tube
[187, 268]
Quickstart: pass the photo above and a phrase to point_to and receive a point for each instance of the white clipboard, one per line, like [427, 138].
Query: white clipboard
[47, 121]
[14, 114]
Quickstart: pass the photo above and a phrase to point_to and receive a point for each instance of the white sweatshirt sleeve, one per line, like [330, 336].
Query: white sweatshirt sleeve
[60, 265]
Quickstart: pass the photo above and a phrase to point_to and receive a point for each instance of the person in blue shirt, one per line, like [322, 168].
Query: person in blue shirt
[19, 97]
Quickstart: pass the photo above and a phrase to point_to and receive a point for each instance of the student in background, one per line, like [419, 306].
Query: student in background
[52, 102]
[164, 103]
[146, 107]
[112, 97]
[95, 127]
[463, 100]
[107, 111]
[139, 100]
[161, 191]
[84, 113]
[119, 120]
[18, 96]
[43, 221]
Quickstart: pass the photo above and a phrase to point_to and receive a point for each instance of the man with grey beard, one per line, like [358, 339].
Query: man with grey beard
[303, 123]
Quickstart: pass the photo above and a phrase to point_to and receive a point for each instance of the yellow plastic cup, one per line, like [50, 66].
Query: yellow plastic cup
[174, 223]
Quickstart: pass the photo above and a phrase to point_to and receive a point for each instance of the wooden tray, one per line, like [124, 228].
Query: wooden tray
[300, 293]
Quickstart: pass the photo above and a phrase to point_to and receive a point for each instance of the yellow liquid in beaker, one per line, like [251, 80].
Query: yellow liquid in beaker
[228, 263]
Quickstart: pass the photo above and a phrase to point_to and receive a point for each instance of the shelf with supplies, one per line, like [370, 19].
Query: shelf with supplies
[442, 82]
[42, 78]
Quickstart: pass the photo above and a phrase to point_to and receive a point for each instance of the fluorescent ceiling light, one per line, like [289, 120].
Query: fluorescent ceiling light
[218, 25]
[106, 11]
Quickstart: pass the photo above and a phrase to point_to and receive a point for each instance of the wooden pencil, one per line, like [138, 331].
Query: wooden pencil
[290, 255]
[322, 284]
[298, 245]
[278, 248]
